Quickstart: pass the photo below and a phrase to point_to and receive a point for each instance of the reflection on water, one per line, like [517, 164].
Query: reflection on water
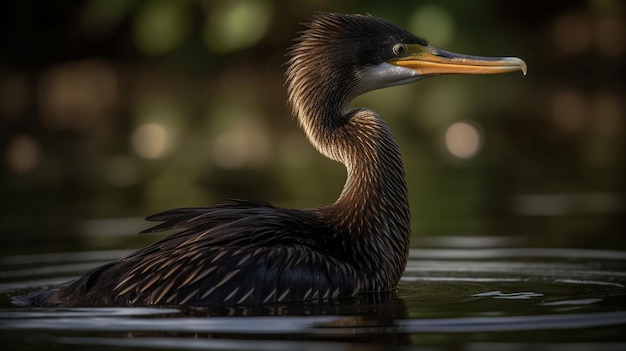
[480, 297]
[511, 296]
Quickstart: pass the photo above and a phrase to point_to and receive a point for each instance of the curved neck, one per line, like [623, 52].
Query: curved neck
[375, 190]
[370, 220]
[374, 199]
[372, 212]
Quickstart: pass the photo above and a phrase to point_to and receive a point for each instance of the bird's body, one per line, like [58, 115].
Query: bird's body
[254, 253]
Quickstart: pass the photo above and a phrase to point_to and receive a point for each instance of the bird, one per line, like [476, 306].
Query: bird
[253, 253]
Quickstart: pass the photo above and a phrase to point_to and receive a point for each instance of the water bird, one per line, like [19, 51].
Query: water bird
[251, 253]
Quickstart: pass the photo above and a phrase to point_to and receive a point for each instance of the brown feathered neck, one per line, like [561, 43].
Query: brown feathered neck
[325, 72]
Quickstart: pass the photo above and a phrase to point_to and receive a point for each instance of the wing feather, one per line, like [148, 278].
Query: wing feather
[240, 253]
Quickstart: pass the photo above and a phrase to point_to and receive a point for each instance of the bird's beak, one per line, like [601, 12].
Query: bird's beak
[427, 60]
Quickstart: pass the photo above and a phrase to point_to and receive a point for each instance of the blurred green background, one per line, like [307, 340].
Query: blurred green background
[113, 110]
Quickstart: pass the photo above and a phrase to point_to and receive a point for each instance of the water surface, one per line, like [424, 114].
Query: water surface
[488, 298]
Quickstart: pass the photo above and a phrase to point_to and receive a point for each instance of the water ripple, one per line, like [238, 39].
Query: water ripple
[513, 323]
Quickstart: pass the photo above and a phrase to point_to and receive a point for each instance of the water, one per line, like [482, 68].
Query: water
[474, 299]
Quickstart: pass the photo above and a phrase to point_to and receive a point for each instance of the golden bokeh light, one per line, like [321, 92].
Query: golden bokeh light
[150, 140]
[464, 139]
[246, 144]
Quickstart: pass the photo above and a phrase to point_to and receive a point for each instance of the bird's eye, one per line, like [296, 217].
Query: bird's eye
[399, 49]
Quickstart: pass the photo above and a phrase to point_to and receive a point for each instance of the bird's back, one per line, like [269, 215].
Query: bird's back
[243, 253]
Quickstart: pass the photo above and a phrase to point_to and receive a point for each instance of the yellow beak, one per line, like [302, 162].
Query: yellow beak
[427, 60]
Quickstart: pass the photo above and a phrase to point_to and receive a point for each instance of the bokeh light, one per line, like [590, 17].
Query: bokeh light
[237, 25]
[572, 33]
[245, 144]
[76, 95]
[23, 154]
[150, 140]
[464, 139]
[610, 37]
[161, 26]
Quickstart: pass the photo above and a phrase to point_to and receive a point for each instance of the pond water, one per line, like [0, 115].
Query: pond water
[494, 298]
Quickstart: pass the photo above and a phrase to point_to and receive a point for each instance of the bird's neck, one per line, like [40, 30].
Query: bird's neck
[372, 212]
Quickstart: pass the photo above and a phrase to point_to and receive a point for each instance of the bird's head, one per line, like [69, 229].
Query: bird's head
[348, 55]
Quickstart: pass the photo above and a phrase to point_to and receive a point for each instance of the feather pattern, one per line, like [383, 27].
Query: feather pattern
[240, 263]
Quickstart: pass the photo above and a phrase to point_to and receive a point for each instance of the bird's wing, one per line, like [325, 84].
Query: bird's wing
[240, 275]
[245, 253]
[209, 216]
[238, 223]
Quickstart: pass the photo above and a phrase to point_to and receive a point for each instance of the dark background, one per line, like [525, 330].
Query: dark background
[113, 110]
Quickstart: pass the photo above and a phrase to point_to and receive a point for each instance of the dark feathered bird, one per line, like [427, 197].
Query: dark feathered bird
[255, 253]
